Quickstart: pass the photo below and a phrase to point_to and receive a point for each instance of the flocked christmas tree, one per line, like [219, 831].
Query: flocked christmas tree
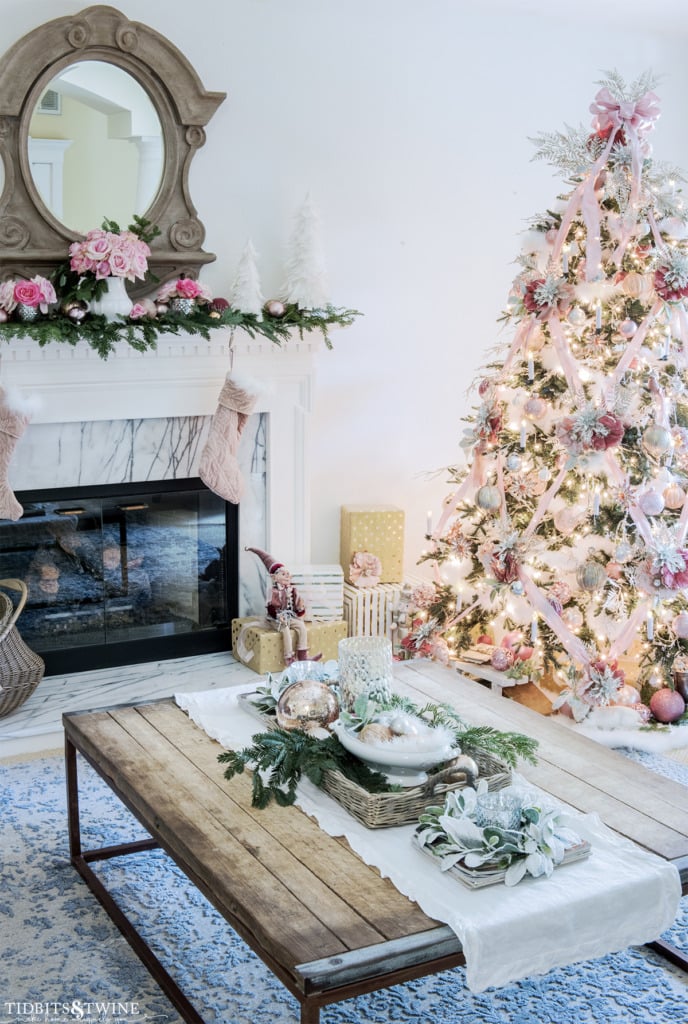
[562, 547]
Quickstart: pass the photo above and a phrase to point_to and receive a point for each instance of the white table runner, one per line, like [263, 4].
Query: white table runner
[620, 896]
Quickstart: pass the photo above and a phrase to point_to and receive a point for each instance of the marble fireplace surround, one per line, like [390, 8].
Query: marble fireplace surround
[145, 416]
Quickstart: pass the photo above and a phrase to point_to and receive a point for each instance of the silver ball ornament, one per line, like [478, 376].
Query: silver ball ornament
[590, 576]
[517, 588]
[651, 503]
[623, 552]
[577, 317]
[488, 498]
[656, 440]
[513, 462]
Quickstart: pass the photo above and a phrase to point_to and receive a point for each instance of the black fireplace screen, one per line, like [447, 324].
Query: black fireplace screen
[117, 575]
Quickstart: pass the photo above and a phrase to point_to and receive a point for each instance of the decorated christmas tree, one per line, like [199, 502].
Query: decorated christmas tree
[561, 552]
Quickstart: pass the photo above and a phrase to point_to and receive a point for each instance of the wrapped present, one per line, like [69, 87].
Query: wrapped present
[322, 589]
[260, 647]
[378, 529]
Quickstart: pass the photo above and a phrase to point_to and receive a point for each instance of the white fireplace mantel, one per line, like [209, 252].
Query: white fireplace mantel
[182, 378]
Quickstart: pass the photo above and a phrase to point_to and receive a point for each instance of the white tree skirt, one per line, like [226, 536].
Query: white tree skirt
[656, 740]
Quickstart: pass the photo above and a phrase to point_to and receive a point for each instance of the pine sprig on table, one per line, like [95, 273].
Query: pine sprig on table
[288, 755]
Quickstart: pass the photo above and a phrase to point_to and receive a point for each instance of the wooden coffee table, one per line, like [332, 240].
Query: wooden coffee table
[325, 923]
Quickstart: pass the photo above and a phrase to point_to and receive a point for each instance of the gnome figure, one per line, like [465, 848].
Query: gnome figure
[285, 609]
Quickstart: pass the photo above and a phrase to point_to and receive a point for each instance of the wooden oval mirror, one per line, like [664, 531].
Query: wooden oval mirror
[152, 104]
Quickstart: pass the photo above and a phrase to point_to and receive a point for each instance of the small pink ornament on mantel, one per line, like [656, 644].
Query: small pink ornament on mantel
[365, 569]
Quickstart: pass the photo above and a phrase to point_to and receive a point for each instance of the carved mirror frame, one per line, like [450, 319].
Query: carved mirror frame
[32, 240]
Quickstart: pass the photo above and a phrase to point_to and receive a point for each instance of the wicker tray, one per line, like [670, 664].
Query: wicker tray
[387, 810]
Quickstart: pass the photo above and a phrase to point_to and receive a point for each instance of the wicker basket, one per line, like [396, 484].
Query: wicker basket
[21, 670]
[385, 810]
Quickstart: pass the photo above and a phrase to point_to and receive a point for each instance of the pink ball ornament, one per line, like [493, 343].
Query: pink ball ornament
[667, 705]
[535, 408]
[628, 328]
[614, 570]
[680, 625]
[524, 653]
[4, 317]
[502, 659]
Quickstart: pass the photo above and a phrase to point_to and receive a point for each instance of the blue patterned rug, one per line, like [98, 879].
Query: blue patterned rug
[63, 959]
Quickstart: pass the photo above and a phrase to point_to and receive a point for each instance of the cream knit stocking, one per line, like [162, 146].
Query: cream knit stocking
[219, 467]
[12, 425]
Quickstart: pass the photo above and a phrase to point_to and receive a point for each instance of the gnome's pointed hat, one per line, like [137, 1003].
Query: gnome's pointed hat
[270, 564]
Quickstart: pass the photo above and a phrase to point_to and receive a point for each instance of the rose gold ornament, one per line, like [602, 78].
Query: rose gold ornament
[680, 625]
[626, 695]
[639, 286]
[4, 317]
[275, 308]
[306, 704]
[674, 496]
[376, 733]
[161, 308]
[614, 570]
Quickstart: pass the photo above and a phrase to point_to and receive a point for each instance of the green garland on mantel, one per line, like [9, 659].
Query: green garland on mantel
[102, 335]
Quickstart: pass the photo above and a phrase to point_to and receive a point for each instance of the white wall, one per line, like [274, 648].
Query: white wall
[408, 121]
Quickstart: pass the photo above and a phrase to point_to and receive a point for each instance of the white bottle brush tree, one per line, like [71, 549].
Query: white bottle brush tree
[306, 276]
[563, 543]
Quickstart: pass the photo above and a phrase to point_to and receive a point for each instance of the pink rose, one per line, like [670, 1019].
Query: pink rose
[28, 293]
[138, 312]
[187, 288]
[102, 270]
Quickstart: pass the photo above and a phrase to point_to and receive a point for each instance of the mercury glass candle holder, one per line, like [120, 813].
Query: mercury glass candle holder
[365, 669]
[502, 808]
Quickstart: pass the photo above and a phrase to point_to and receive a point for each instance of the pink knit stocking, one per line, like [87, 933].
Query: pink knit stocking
[12, 425]
[219, 468]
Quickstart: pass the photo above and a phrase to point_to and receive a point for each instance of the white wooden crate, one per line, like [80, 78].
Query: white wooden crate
[322, 589]
[368, 610]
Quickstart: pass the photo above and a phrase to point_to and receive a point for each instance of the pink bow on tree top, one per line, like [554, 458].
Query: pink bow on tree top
[612, 113]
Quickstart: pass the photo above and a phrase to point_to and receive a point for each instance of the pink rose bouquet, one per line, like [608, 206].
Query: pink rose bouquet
[110, 254]
[184, 288]
[36, 292]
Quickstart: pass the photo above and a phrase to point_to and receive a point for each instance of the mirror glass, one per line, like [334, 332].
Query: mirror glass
[96, 146]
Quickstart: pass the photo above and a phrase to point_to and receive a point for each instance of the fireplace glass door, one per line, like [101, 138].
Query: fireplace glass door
[126, 574]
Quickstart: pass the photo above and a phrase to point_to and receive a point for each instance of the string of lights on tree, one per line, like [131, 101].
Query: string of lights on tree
[562, 544]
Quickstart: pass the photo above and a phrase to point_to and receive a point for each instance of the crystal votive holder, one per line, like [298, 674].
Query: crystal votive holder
[365, 669]
[502, 809]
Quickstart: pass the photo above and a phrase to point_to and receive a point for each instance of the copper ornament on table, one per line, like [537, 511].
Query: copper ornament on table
[307, 705]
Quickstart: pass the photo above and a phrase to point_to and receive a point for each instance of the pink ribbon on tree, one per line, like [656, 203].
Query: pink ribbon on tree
[544, 503]
[564, 353]
[574, 647]
[627, 635]
[635, 344]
